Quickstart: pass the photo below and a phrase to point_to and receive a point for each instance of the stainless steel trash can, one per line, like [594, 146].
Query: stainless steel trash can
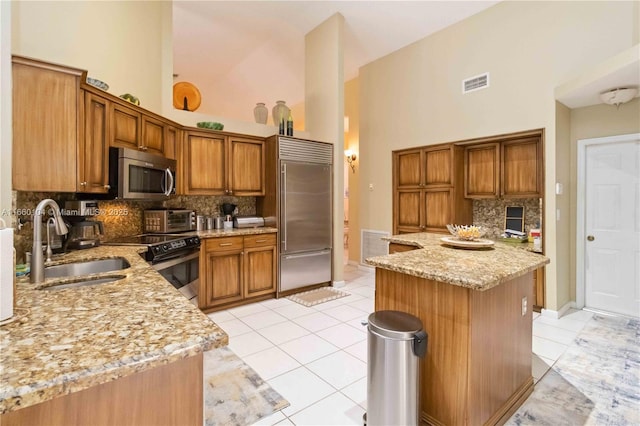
[396, 341]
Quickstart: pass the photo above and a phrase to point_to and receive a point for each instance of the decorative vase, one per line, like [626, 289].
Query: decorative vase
[260, 113]
[280, 112]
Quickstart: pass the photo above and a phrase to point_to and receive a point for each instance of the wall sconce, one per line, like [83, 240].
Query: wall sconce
[351, 157]
[618, 96]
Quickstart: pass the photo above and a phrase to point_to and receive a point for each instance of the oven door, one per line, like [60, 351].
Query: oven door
[182, 273]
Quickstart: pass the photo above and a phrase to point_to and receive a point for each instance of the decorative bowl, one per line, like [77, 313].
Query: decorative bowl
[98, 83]
[130, 98]
[210, 125]
[466, 232]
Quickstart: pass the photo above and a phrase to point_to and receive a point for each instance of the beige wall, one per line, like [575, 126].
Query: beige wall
[324, 111]
[594, 122]
[413, 97]
[118, 42]
[565, 221]
[352, 142]
[5, 110]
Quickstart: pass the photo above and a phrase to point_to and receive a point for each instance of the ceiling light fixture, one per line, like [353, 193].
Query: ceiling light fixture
[618, 96]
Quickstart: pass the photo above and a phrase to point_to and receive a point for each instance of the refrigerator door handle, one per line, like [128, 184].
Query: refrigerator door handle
[283, 171]
[297, 256]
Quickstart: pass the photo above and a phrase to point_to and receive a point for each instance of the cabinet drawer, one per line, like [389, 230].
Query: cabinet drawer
[221, 244]
[260, 240]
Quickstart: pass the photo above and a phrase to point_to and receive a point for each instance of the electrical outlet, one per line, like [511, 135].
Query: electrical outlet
[524, 306]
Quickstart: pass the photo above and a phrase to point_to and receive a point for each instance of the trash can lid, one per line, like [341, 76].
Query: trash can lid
[395, 324]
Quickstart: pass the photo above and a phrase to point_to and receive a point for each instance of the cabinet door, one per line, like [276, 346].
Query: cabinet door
[521, 171]
[246, 166]
[409, 214]
[259, 270]
[438, 208]
[171, 137]
[407, 169]
[46, 129]
[203, 166]
[438, 170]
[93, 155]
[481, 171]
[221, 272]
[153, 135]
[125, 127]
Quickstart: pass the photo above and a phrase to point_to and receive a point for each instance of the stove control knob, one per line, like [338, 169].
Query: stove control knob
[165, 247]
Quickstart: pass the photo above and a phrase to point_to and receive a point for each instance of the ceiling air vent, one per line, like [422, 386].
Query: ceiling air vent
[475, 83]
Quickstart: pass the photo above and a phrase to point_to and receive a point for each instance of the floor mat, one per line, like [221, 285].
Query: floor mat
[317, 296]
[595, 382]
[234, 394]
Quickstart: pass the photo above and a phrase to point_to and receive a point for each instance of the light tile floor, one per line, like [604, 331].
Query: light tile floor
[316, 357]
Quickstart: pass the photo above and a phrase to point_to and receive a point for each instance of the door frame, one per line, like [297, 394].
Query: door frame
[581, 286]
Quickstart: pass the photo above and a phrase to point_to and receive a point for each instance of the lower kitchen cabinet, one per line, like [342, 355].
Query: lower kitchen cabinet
[237, 270]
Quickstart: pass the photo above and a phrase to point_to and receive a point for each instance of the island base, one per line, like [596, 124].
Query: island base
[167, 395]
[477, 370]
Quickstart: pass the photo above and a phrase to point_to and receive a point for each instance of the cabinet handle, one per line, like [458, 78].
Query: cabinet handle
[141, 147]
[83, 183]
[230, 192]
[590, 238]
[225, 244]
[107, 187]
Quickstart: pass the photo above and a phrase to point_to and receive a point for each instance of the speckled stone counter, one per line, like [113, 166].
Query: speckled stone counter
[475, 269]
[76, 338]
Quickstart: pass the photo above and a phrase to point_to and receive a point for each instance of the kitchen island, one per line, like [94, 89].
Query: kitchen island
[475, 306]
[123, 352]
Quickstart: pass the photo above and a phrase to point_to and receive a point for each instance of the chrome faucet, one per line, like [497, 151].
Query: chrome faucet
[37, 257]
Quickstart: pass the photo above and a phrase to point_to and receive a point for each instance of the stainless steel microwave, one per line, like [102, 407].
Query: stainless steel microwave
[136, 175]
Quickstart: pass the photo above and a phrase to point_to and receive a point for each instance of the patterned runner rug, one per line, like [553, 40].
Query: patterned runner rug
[595, 382]
[317, 296]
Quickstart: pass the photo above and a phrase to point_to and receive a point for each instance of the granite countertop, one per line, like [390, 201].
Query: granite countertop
[474, 269]
[64, 341]
[216, 233]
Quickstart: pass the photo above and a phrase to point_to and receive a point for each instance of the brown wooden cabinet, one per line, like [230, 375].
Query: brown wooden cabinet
[153, 135]
[93, 149]
[218, 164]
[538, 289]
[47, 104]
[237, 269]
[428, 189]
[511, 168]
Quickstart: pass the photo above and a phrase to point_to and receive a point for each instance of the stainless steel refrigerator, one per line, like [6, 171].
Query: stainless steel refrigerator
[304, 212]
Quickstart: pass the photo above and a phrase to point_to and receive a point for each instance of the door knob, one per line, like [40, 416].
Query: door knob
[590, 238]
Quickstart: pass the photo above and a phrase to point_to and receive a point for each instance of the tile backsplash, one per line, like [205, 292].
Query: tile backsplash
[120, 218]
[491, 214]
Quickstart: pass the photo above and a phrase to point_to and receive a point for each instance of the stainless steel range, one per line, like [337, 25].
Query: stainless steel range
[174, 256]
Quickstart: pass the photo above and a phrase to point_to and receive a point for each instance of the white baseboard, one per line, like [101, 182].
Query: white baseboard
[338, 284]
[559, 313]
[364, 267]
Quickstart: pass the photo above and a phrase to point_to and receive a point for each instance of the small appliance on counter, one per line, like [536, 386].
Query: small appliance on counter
[83, 233]
[229, 209]
[167, 221]
[248, 222]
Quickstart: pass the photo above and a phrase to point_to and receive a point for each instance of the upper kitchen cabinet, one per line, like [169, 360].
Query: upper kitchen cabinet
[218, 164]
[508, 167]
[428, 189]
[93, 148]
[47, 106]
[425, 168]
[134, 130]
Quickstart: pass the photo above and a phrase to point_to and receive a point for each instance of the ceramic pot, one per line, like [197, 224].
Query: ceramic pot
[260, 113]
[280, 112]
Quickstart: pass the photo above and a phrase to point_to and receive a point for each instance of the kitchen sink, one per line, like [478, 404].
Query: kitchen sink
[85, 268]
[84, 282]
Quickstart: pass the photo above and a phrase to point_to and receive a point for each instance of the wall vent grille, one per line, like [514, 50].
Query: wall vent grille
[477, 82]
[307, 151]
[372, 244]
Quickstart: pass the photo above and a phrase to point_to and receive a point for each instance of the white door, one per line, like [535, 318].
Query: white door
[612, 227]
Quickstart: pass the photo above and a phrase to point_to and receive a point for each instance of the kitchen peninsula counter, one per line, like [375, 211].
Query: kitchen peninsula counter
[67, 341]
[475, 306]
[217, 233]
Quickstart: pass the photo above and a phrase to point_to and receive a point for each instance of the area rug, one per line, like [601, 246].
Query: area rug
[595, 382]
[317, 296]
[234, 394]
